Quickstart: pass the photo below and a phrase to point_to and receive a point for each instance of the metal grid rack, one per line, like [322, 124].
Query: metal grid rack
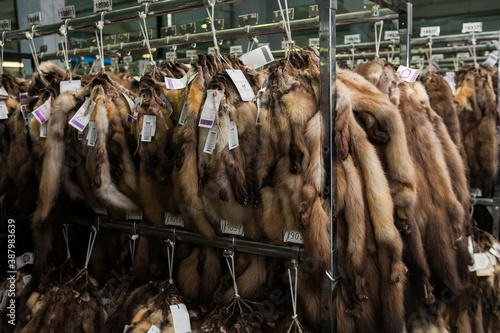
[326, 21]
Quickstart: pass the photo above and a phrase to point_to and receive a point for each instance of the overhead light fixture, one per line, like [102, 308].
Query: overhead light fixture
[146, 55]
[204, 26]
[13, 64]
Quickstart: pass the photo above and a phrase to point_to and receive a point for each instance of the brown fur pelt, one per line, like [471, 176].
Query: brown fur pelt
[475, 99]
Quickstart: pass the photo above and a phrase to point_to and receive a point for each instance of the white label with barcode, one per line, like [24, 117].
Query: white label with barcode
[102, 5]
[391, 34]
[69, 85]
[211, 139]
[233, 136]
[174, 220]
[491, 61]
[152, 119]
[228, 228]
[350, 39]
[80, 119]
[180, 315]
[408, 74]
[4, 111]
[236, 49]
[472, 27]
[209, 112]
[44, 129]
[92, 134]
[184, 113]
[42, 114]
[147, 127]
[292, 236]
[258, 57]
[429, 31]
[241, 83]
[314, 41]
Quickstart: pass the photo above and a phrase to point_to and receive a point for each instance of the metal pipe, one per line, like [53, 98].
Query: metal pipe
[483, 201]
[247, 31]
[116, 16]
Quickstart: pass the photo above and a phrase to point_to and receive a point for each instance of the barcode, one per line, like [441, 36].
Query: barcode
[146, 133]
[211, 139]
[183, 116]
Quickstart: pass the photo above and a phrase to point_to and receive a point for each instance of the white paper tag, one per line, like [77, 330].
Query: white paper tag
[408, 74]
[130, 102]
[472, 27]
[184, 113]
[470, 246]
[92, 134]
[435, 67]
[241, 83]
[481, 261]
[350, 39]
[147, 130]
[437, 57]
[391, 34]
[151, 118]
[314, 42]
[228, 228]
[125, 328]
[4, 112]
[236, 49]
[494, 252]
[26, 279]
[67, 12]
[134, 216]
[180, 315]
[167, 104]
[292, 236]
[491, 61]
[233, 135]
[42, 114]
[174, 220]
[3, 304]
[154, 329]
[25, 259]
[43, 129]
[22, 108]
[69, 85]
[102, 5]
[211, 140]
[429, 31]
[450, 78]
[258, 57]
[497, 248]
[80, 120]
[209, 111]
[463, 55]
[3, 93]
[181, 83]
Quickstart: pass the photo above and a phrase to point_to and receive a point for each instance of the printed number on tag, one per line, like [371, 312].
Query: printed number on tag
[174, 220]
[228, 228]
[292, 236]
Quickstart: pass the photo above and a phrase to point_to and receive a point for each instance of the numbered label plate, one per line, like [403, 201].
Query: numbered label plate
[350, 39]
[429, 31]
[472, 27]
[102, 5]
[229, 229]
[292, 236]
[5, 25]
[67, 12]
[174, 220]
[34, 19]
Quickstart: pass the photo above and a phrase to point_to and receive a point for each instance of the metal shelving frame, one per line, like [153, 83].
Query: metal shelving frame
[327, 21]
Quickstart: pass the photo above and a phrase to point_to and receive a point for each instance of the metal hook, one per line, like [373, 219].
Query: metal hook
[102, 16]
[33, 31]
[135, 228]
[98, 223]
[146, 8]
[3, 37]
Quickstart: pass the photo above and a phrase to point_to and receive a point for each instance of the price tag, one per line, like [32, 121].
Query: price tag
[472, 27]
[211, 51]
[210, 108]
[127, 59]
[42, 114]
[314, 42]
[494, 252]
[292, 236]
[3, 93]
[228, 228]
[175, 221]
[167, 104]
[184, 113]
[92, 136]
[134, 216]
[408, 74]
[102, 5]
[277, 14]
[147, 128]
[491, 61]
[67, 12]
[429, 31]
[181, 83]
[391, 34]
[233, 135]
[211, 139]
[236, 49]
[258, 57]
[154, 329]
[180, 315]
[43, 129]
[25, 259]
[80, 119]
[450, 78]
[191, 53]
[5, 25]
[4, 112]
[350, 39]
[481, 262]
[69, 85]
[241, 83]
[34, 19]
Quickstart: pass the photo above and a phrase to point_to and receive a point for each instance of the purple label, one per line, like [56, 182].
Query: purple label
[170, 84]
[77, 124]
[137, 108]
[131, 119]
[206, 122]
[26, 258]
[39, 116]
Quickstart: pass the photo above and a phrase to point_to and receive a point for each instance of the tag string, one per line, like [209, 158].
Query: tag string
[232, 272]
[390, 55]
[429, 55]
[214, 33]
[64, 42]
[144, 31]
[31, 44]
[293, 293]
[473, 51]
[288, 31]
[378, 38]
[92, 237]
[170, 258]
[474, 201]
[66, 239]
[100, 42]
[455, 63]
[131, 243]
[2, 42]
[352, 59]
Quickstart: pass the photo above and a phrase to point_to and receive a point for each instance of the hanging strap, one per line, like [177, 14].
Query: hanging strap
[429, 55]
[144, 30]
[92, 237]
[293, 293]
[286, 24]
[131, 243]
[64, 42]
[390, 56]
[31, 44]
[211, 16]
[473, 51]
[378, 38]
[229, 254]
[352, 59]
[170, 258]
[100, 41]
[455, 63]
[2, 43]
[66, 240]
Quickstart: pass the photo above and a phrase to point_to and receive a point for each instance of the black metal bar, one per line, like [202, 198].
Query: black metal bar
[398, 6]
[327, 36]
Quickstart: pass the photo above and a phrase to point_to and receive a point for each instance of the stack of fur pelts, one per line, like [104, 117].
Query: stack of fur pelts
[438, 219]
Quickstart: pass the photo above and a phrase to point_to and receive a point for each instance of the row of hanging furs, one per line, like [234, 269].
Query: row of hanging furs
[221, 143]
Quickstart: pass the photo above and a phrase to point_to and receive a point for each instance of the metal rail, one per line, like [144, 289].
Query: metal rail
[233, 33]
[115, 16]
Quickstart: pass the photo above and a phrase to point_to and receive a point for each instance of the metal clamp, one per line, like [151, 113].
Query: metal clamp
[171, 242]
[230, 253]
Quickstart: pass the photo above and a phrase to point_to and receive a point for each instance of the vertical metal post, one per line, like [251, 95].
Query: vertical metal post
[405, 33]
[327, 35]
